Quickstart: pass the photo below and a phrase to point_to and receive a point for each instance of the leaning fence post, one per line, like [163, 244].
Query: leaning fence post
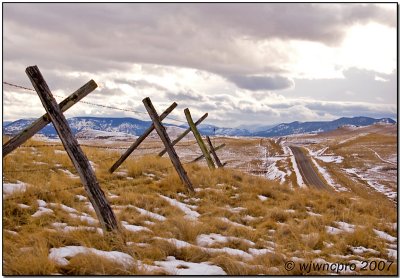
[216, 149]
[140, 139]
[212, 151]
[200, 141]
[180, 137]
[41, 122]
[167, 143]
[78, 158]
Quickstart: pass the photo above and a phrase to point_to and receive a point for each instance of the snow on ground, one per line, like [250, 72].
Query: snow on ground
[319, 154]
[190, 214]
[64, 227]
[73, 213]
[328, 177]
[178, 267]
[234, 210]
[208, 240]
[60, 255]
[228, 221]
[80, 198]
[69, 174]
[345, 226]
[231, 251]
[372, 182]
[42, 210]
[60, 152]
[262, 198]
[385, 236]
[361, 249]
[84, 218]
[299, 178]
[134, 228]
[332, 230]
[341, 227]
[151, 214]
[11, 188]
[384, 160]
[274, 173]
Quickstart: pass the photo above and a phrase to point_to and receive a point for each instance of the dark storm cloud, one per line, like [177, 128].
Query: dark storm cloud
[256, 83]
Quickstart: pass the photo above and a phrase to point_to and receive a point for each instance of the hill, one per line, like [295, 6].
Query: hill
[319, 126]
[132, 126]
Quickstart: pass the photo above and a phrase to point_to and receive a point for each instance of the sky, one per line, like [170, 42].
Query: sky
[245, 64]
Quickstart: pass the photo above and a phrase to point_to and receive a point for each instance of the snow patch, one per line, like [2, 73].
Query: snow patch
[208, 240]
[190, 214]
[60, 255]
[178, 267]
[299, 178]
[11, 188]
[134, 228]
[385, 236]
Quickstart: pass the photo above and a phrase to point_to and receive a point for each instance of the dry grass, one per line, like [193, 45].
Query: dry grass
[282, 223]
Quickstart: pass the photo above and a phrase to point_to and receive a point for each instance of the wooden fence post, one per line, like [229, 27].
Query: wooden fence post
[140, 139]
[180, 137]
[199, 140]
[167, 143]
[41, 122]
[78, 158]
[202, 156]
[212, 151]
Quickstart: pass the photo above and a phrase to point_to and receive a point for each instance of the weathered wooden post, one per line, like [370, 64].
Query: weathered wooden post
[214, 154]
[41, 122]
[202, 156]
[167, 143]
[199, 140]
[180, 137]
[78, 158]
[140, 139]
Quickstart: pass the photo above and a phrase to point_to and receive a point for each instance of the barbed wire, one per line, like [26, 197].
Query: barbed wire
[91, 103]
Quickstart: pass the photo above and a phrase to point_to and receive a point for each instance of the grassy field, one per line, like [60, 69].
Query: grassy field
[234, 223]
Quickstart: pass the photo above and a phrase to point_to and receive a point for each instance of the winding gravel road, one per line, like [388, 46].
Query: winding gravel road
[306, 169]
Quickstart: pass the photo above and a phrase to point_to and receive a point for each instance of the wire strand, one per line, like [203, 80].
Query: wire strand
[93, 104]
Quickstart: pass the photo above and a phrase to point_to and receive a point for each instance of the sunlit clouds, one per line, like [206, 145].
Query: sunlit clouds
[242, 63]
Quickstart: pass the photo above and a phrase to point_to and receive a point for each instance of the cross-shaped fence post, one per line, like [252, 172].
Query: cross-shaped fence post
[213, 152]
[140, 139]
[74, 151]
[199, 140]
[180, 137]
[167, 143]
[41, 122]
[202, 156]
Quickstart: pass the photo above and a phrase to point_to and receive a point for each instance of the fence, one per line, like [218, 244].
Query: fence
[73, 148]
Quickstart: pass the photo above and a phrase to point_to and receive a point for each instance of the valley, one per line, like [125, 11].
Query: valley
[248, 218]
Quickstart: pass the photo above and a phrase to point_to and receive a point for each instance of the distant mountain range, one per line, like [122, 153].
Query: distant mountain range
[132, 126]
[319, 126]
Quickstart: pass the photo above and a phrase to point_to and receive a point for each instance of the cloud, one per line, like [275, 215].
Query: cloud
[234, 60]
[96, 37]
[256, 83]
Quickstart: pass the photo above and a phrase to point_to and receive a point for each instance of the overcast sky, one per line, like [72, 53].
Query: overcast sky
[244, 64]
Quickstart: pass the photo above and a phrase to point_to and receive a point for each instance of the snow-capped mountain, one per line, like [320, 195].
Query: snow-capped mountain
[317, 127]
[132, 126]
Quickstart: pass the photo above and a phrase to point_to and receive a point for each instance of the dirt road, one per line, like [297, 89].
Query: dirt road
[308, 173]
